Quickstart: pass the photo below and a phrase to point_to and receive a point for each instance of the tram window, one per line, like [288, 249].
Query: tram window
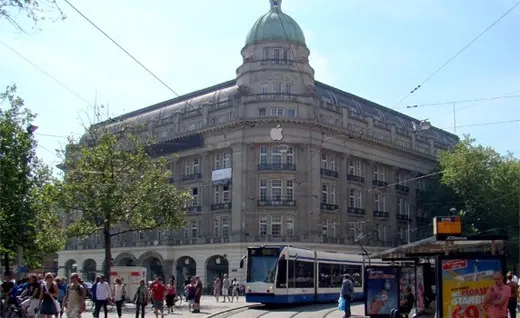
[301, 274]
[281, 279]
[331, 275]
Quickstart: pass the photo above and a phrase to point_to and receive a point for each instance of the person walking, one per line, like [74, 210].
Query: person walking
[198, 294]
[158, 295]
[118, 295]
[48, 296]
[236, 289]
[226, 286]
[103, 292]
[347, 292]
[74, 300]
[513, 300]
[140, 299]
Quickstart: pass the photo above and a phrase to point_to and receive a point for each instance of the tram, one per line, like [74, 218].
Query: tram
[288, 275]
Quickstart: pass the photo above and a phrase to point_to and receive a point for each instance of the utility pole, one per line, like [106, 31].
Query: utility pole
[454, 119]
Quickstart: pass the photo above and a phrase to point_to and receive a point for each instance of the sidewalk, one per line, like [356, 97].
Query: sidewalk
[208, 306]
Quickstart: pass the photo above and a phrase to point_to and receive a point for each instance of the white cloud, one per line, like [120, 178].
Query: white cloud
[322, 70]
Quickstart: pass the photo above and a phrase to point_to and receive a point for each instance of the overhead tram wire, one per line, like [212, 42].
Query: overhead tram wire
[457, 54]
[47, 74]
[486, 124]
[512, 95]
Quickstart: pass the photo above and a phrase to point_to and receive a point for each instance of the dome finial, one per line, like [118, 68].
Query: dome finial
[276, 4]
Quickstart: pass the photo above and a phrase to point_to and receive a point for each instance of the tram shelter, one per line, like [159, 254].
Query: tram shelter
[452, 269]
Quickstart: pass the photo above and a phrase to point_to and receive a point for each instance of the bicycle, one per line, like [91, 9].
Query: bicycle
[179, 298]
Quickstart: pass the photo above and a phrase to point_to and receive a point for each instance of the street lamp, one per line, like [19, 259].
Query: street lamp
[423, 125]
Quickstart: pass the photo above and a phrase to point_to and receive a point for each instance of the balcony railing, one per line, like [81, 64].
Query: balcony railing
[276, 167]
[192, 177]
[221, 206]
[378, 183]
[352, 177]
[329, 173]
[276, 62]
[357, 211]
[276, 97]
[329, 207]
[402, 217]
[276, 201]
[381, 214]
[196, 208]
[328, 239]
[402, 188]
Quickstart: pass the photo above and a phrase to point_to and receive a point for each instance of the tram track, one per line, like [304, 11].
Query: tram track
[262, 311]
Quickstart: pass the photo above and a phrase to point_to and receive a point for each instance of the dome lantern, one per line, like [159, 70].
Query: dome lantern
[275, 26]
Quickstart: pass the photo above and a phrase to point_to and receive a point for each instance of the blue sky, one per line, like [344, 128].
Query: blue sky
[379, 50]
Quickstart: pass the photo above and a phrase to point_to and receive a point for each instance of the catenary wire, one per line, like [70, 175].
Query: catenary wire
[486, 124]
[485, 99]
[457, 54]
[47, 74]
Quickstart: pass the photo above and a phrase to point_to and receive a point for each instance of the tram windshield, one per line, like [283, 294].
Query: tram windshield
[261, 265]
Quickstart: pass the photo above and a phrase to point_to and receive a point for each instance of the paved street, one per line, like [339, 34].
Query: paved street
[314, 311]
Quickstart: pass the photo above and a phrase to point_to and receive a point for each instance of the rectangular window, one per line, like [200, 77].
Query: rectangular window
[324, 163]
[262, 112]
[400, 178]
[381, 232]
[379, 173]
[355, 199]
[301, 274]
[194, 229]
[216, 228]
[226, 160]
[262, 225]
[276, 54]
[264, 89]
[289, 155]
[289, 190]
[194, 196]
[285, 54]
[263, 155]
[276, 190]
[276, 156]
[324, 227]
[324, 193]
[196, 165]
[332, 162]
[332, 194]
[266, 54]
[291, 112]
[379, 202]
[277, 88]
[288, 89]
[225, 227]
[218, 162]
[290, 225]
[222, 194]
[332, 228]
[330, 274]
[276, 225]
[276, 112]
[263, 190]
[354, 168]
[188, 168]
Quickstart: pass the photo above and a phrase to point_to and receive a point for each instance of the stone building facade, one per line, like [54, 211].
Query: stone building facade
[342, 170]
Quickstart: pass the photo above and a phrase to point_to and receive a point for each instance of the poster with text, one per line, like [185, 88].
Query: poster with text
[464, 283]
[381, 290]
[420, 288]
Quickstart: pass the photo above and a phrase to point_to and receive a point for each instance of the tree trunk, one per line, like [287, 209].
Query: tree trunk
[6, 264]
[108, 252]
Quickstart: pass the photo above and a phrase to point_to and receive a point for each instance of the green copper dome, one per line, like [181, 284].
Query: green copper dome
[270, 27]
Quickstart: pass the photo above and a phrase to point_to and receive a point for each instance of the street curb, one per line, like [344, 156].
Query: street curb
[233, 309]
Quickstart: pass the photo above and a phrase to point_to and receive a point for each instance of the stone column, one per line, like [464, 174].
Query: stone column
[206, 195]
[240, 160]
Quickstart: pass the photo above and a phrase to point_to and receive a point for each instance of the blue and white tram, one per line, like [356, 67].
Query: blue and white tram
[286, 275]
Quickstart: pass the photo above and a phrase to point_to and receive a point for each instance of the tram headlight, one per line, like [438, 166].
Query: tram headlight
[248, 287]
[271, 287]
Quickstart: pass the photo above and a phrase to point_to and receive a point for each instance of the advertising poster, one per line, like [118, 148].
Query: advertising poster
[381, 290]
[464, 284]
[420, 288]
[406, 279]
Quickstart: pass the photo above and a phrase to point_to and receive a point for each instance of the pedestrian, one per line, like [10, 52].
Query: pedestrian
[226, 286]
[74, 300]
[513, 300]
[103, 292]
[158, 295]
[236, 289]
[62, 291]
[217, 288]
[198, 294]
[118, 295]
[48, 301]
[347, 292]
[189, 290]
[140, 299]
[170, 295]
[92, 292]
[497, 297]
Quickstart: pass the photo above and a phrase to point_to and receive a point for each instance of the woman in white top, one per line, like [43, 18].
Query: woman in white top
[118, 294]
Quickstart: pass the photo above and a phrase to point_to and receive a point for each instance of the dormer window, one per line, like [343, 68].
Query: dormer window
[266, 53]
[285, 54]
[276, 55]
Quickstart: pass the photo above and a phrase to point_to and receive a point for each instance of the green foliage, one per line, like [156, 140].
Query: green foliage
[34, 10]
[26, 187]
[488, 186]
[118, 187]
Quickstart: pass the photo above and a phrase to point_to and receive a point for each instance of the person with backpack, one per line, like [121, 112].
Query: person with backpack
[62, 291]
[140, 299]
[74, 300]
[347, 292]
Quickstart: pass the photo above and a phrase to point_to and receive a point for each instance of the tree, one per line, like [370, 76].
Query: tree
[26, 186]
[34, 10]
[488, 185]
[113, 185]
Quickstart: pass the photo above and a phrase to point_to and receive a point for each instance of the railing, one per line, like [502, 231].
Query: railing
[352, 177]
[192, 177]
[276, 201]
[328, 239]
[276, 62]
[378, 183]
[196, 208]
[357, 211]
[276, 167]
[276, 96]
[402, 217]
[329, 173]
[381, 214]
[402, 188]
[329, 207]
[221, 206]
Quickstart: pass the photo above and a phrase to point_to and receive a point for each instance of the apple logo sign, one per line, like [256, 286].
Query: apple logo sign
[277, 133]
